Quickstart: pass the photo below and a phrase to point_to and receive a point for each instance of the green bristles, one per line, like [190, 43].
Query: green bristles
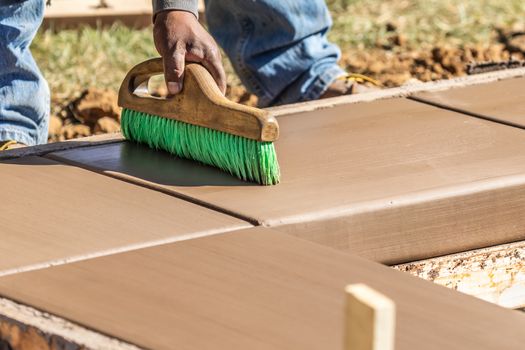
[245, 158]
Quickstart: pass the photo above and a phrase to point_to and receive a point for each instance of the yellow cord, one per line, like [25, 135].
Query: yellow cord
[359, 78]
[6, 145]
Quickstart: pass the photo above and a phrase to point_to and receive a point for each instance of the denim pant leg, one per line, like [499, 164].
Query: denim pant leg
[278, 48]
[24, 94]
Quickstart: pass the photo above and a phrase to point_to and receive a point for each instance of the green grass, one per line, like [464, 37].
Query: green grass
[72, 60]
[362, 23]
[76, 59]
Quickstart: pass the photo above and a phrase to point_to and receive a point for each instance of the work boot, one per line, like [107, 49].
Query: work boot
[10, 144]
[350, 84]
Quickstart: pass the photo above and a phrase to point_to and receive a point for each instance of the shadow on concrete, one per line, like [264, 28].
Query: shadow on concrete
[128, 161]
[166, 169]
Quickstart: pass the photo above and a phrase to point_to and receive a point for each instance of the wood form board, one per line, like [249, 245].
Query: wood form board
[254, 289]
[502, 101]
[52, 213]
[392, 180]
[75, 13]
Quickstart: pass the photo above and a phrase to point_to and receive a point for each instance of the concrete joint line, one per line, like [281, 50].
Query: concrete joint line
[113, 251]
[402, 91]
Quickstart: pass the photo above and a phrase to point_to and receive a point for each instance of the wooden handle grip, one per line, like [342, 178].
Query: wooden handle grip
[199, 103]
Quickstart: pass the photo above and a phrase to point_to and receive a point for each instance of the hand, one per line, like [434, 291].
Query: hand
[179, 37]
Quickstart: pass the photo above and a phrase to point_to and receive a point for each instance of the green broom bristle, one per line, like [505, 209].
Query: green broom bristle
[245, 158]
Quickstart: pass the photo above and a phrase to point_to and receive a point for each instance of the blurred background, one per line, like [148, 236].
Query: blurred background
[85, 48]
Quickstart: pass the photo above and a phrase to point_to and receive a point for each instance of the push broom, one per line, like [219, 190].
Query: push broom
[201, 124]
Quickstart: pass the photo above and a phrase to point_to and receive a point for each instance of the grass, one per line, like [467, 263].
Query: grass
[76, 59]
[363, 23]
[72, 60]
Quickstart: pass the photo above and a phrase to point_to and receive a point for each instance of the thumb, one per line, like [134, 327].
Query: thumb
[174, 70]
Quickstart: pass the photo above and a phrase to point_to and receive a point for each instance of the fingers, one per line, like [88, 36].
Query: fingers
[174, 69]
[174, 66]
[213, 63]
[180, 38]
[211, 59]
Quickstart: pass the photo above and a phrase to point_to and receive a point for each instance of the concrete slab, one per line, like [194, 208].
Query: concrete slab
[392, 180]
[54, 213]
[502, 101]
[254, 289]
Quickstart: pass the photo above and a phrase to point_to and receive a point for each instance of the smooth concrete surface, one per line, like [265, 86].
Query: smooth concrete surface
[391, 180]
[254, 289]
[54, 213]
[502, 101]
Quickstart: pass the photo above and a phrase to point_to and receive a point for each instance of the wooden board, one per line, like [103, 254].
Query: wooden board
[391, 180]
[502, 101]
[76, 13]
[254, 289]
[54, 213]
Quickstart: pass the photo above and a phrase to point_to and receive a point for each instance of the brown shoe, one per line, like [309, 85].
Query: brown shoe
[10, 144]
[350, 84]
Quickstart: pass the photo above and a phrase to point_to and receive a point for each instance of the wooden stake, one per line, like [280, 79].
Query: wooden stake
[369, 319]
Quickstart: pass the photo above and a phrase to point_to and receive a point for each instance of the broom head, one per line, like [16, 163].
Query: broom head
[200, 124]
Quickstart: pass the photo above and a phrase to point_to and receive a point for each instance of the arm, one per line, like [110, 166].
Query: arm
[179, 5]
[179, 37]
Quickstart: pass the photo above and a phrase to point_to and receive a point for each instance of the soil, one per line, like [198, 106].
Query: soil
[393, 63]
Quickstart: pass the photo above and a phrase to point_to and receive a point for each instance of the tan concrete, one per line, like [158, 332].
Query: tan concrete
[254, 289]
[391, 180]
[53, 213]
[502, 101]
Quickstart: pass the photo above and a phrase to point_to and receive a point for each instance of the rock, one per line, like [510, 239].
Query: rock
[94, 104]
[399, 40]
[437, 68]
[160, 91]
[248, 99]
[517, 43]
[55, 125]
[73, 131]
[390, 27]
[376, 67]
[106, 125]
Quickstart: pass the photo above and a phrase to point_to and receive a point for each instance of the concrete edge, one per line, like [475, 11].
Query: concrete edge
[46, 327]
[121, 250]
[40, 150]
[402, 91]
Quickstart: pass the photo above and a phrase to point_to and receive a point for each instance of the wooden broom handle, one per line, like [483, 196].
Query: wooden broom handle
[199, 103]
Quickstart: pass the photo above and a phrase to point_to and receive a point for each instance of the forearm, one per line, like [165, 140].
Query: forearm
[181, 5]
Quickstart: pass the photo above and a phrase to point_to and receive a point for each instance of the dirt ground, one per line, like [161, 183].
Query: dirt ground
[392, 62]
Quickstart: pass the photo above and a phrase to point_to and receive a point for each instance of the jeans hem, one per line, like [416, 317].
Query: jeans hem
[323, 82]
[16, 135]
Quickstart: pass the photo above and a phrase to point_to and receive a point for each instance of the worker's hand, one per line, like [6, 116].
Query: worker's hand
[180, 38]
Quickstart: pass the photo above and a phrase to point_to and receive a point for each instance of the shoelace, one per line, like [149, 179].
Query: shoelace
[359, 78]
[6, 145]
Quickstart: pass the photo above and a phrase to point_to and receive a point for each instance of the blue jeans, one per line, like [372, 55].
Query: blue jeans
[278, 48]
[24, 94]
